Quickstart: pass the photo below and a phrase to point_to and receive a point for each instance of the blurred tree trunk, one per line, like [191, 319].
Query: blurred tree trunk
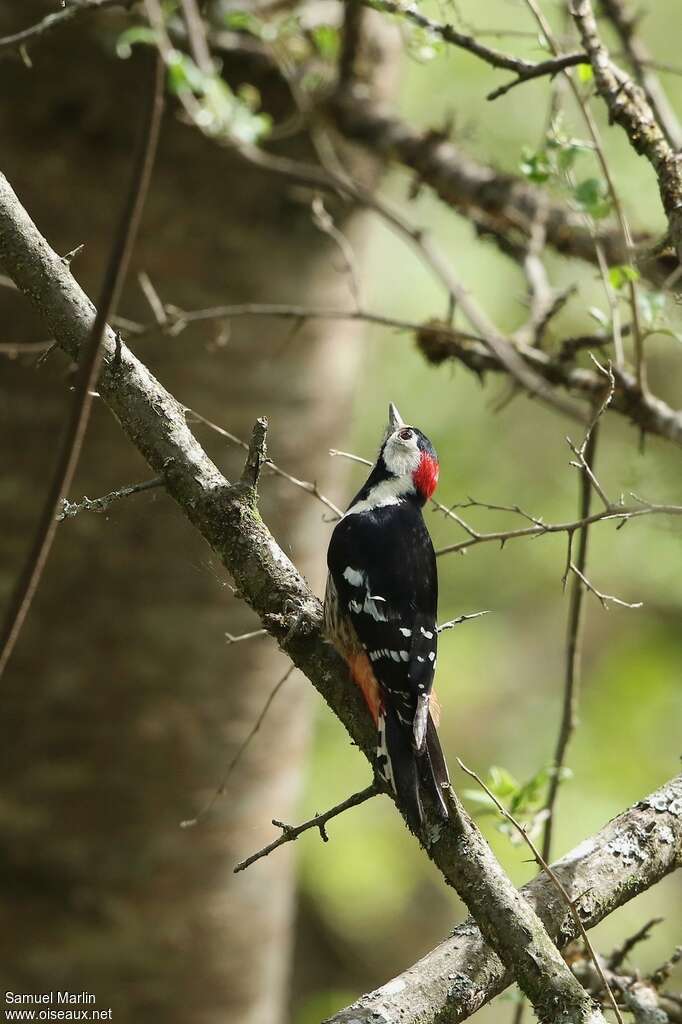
[123, 704]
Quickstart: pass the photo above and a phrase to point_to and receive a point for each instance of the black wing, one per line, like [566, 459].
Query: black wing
[384, 568]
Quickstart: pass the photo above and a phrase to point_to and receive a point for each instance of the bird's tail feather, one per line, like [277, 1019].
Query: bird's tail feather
[435, 769]
[398, 765]
[409, 773]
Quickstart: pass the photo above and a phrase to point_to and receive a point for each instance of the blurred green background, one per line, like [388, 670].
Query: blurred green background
[500, 678]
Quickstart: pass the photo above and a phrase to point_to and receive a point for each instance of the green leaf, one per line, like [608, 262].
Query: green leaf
[502, 782]
[592, 196]
[142, 34]
[327, 41]
[243, 21]
[621, 274]
[535, 165]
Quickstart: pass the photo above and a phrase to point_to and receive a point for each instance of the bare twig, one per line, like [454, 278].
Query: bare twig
[325, 223]
[12, 349]
[628, 105]
[55, 20]
[604, 599]
[621, 513]
[304, 485]
[523, 69]
[319, 821]
[593, 129]
[625, 21]
[70, 509]
[88, 370]
[152, 297]
[196, 33]
[620, 953]
[191, 822]
[556, 881]
[569, 713]
[460, 618]
[231, 639]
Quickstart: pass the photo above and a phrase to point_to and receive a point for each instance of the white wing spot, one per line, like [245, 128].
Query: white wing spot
[432, 655]
[419, 657]
[427, 633]
[405, 631]
[405, 655]
[395, 655]
[355, 577]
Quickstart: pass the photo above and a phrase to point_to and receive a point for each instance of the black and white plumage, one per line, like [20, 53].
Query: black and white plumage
[380, 611]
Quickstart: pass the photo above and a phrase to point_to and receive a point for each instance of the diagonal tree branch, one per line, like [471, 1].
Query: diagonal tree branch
[651, 414]
[628, 106]
[501, 205]
[227, 517]
[625, 22]
[525, 70]
[628, 856]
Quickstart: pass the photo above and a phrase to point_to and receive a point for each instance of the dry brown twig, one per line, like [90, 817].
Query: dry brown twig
[524, 70]
[318, 821]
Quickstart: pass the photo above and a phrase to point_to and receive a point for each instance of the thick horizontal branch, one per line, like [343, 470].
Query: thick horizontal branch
[227, 517]
[650, 414]
[502, 205]
[628, 856]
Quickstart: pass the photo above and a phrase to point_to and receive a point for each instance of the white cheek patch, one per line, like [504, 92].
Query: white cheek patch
[402, 458]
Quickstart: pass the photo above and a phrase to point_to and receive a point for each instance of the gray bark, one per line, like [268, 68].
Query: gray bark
[628, 856]
[123, 704]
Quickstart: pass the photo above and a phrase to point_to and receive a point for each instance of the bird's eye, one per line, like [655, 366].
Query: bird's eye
[406, 434]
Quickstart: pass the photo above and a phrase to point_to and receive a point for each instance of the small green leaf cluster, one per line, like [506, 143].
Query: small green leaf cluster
[524, 800]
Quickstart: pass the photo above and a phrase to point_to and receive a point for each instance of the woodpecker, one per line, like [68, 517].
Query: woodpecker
[380, 612]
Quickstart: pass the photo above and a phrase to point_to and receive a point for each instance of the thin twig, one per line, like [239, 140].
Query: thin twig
[59, 18]
[191, 822]
[451, 623]
[323, 220]
[231, 639]
[604, 599]
[625, 22]
[622, 513]
[523, 69]
[556, 881]
[70, 509]
[319, 821]
[88, 371]
[304, 485]
[623, 224]
[620, 953]
[569, 715]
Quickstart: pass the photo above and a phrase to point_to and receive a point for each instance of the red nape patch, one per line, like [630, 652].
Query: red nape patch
[426, 477]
